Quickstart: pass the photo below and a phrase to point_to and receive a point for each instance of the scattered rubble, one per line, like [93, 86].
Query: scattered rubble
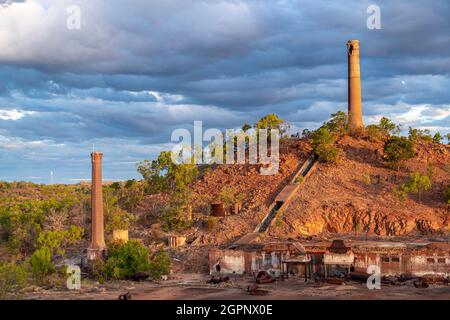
[125, 296]
[217, 280]
[420, 284]
[264, 277]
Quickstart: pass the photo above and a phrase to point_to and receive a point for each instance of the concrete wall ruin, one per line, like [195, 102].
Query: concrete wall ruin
[393, 259]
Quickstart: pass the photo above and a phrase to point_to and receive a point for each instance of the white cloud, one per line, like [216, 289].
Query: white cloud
[13, 114]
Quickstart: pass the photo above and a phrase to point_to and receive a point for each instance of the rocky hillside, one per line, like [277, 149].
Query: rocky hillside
[356, 196]
[353, 198]
[258, 191]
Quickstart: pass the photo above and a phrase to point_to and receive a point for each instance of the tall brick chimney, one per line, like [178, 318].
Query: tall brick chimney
[97, 247]
[354, 88]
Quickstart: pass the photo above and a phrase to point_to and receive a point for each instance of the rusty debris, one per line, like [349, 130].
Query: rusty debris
[125, 296]
[420, 284]
[435, 279]
[217, 210]
[235, 208]
[264, 277]
[217, 280]
[358, 276]
[176, 241]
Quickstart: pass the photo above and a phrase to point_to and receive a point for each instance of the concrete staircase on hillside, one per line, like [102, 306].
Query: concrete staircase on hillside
[282, 198]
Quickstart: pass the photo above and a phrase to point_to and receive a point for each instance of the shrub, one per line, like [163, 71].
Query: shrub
[210, 223]
[306, 133]
[367, 179]
[22, 217]
[56, 241]
[278, 223]
[118, 219]
[41, 263]
[98, 270]
[299, 179]
[12, 277]
[400, 194]
[272, 121]
[132, 194]
[448, 194]
[338, 123]
[374, 133]
[246, 127]
[229, 196]
[160, 265]
[125, 259]
[48, 244]
[388, 127]
[163, 174]
[323, 146]
[419, 134]
[416, 183]
[437, 138]
[384, 129]
[397, 149]
[174, 219]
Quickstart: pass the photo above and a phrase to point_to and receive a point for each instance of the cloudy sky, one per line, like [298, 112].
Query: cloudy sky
[137, 70]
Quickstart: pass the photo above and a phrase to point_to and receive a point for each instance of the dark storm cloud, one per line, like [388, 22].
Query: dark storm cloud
[135, 72]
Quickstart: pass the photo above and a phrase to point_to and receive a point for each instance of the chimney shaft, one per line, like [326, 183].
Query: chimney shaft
[97, 246]
[354, 88]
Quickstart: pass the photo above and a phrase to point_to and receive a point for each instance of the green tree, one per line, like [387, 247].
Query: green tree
[388, 127]
[399, 193]
[41, 264]
[115, 217]
[306, 133]
[163, 175]
[419, 134]
[12, 277]
[374, 133]
[176, 213]
[126, 259]
[323, 146]
[50, 243]
[131, 194]
[437, 138]
[384, 129]
[338, 123]
[210, 223]
[246, 127]
[272, 121]
[417, 183]
[57, 240]
[228, 195]
[159, 265]
[397, 149]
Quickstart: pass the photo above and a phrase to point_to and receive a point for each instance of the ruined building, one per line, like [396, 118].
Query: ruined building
[97, 246]
[354, 87]
[324, 260]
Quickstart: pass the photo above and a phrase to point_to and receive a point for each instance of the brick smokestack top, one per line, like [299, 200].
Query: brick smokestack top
[354, 88]
[97, 246]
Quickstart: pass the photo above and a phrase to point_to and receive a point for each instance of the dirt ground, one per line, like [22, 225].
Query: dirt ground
[194, 287]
